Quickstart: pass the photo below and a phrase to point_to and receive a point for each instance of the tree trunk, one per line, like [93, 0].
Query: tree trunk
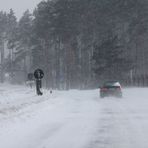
[2, 62]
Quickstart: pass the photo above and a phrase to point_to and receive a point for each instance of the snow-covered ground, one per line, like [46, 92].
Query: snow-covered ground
[72, 119]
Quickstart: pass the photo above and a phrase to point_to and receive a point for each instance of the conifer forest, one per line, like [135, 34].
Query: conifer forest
[77, 43]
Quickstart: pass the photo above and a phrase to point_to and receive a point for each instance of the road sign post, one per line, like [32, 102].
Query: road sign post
[38, 74]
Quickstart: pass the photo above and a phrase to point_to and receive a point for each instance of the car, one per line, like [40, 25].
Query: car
[111, 88]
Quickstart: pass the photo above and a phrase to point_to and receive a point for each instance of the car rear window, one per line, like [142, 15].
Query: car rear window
[112, 85]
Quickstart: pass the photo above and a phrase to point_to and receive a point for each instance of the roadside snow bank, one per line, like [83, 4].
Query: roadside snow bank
[64, 119]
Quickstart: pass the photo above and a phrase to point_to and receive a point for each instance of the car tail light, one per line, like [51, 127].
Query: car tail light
[119, 87]
[104, 89]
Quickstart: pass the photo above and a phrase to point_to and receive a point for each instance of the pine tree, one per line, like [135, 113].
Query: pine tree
[24, 51]
[109, 60]
[3, 27]
[11, 42]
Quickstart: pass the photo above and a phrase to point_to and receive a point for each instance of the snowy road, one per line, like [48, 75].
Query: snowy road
[72, 119]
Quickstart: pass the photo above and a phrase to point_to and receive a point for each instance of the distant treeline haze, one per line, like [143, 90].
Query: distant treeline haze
[77, 43]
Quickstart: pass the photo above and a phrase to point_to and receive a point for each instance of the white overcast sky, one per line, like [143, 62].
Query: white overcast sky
[19, 6]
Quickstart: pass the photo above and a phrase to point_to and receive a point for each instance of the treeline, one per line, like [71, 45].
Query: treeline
[15, 45]
[78, 43]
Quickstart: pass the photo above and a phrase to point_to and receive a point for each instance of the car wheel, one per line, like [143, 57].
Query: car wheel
[101, 96]
[119, 95]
